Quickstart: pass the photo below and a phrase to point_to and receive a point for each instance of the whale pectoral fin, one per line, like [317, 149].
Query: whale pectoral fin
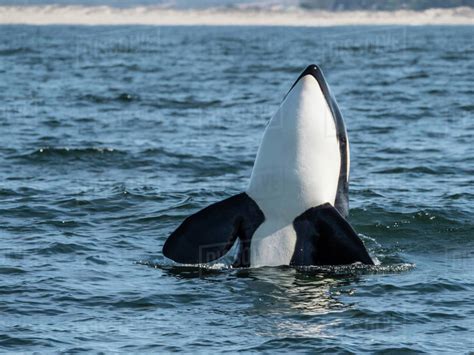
[210, 233]
[324, 237]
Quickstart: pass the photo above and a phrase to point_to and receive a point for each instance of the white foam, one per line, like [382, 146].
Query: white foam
[268, 16]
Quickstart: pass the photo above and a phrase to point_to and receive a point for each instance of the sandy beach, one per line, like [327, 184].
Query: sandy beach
[105, 15]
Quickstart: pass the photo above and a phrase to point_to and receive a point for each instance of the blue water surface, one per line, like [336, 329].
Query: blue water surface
[111, 136]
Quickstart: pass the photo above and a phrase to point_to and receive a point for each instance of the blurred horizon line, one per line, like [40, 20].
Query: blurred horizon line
[245, 16]
[327, 5]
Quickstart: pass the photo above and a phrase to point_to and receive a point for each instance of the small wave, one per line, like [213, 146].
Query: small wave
[96, 260]
[459, 196]
[47, 153]
[62, 248]
[15, 51]
[454, 56]
[417, 75]
[467, 107]
[8, 193]
[11, 270]
[10, 341]
[122, 97]
[392, 150]
[139, 303]
[62, 223]
[413, 170]
[187, 103]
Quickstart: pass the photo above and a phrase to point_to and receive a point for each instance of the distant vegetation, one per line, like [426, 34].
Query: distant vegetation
[383, 4]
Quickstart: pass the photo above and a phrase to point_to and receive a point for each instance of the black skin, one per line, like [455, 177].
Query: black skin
[210, 233]
[324, 237]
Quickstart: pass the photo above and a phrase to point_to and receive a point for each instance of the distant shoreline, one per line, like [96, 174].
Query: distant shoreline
[105, 15]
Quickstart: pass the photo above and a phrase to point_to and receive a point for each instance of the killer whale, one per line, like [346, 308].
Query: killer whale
[294, 209]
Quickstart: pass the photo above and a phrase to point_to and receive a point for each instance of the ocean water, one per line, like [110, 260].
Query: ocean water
[111, 136]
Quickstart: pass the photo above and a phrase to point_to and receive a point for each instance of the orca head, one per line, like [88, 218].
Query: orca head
[298, 164]
[314, 72]
[310, 89]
